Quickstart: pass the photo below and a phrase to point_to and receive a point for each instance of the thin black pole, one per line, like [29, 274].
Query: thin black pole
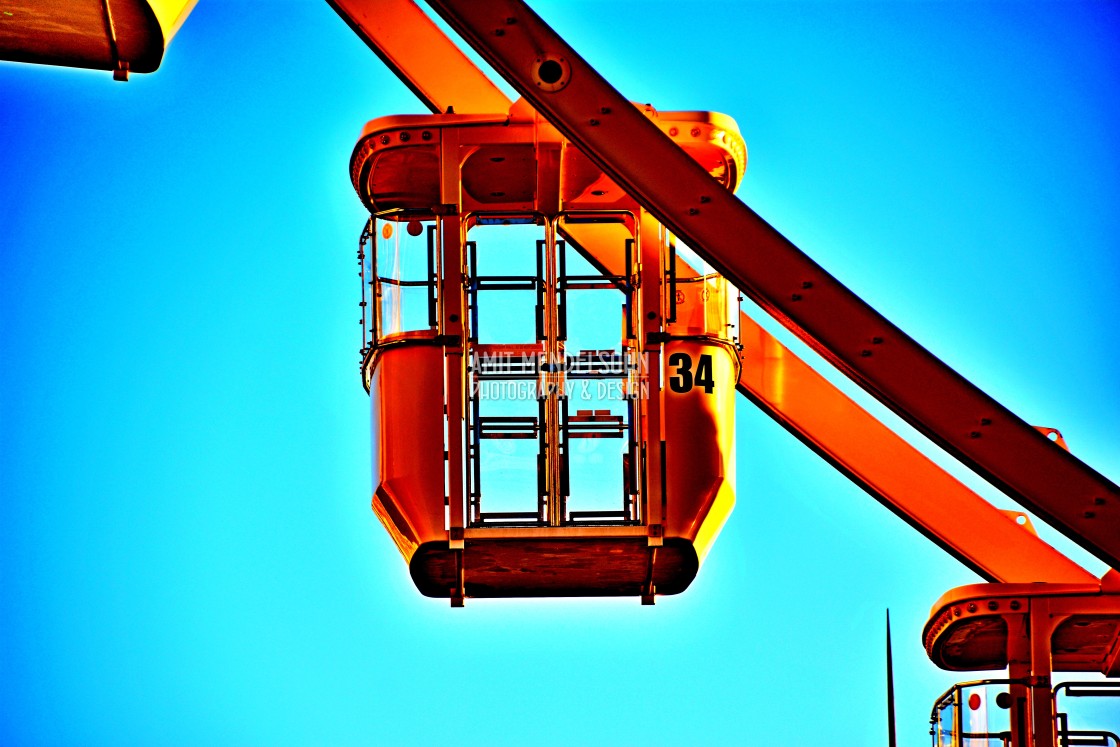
[891, 742]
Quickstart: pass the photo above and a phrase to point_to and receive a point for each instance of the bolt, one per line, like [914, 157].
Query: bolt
[865, 353]
[651, 315]
[1015, 604]
[795, 297]
[1090, 514]
[972, 606]
[673, 132]
[499, 32]
[806, 284]
[1098, 501]
[405, 137]
[993, 606]
[510, 21]
[384, 139]
[876, 340]
[985, 421]
[704, 200]
[604, 110]
[974, 434]
[425, 135]
[693, 211]
[594, 123]
[695, 132]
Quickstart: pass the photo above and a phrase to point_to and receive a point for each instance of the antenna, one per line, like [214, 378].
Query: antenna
[891, 740]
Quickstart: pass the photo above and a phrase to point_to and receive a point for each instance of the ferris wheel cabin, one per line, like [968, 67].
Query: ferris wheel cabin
[551, 375]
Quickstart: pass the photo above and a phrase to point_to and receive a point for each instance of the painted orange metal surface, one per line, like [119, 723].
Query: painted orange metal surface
[941, 508]
[422, 56]
[405, 384]
[700, 448]
[122, 35]
[986, 539]
[454, 170]
[970, 627]
[396, 163]
[969, 424]
[1034, 630]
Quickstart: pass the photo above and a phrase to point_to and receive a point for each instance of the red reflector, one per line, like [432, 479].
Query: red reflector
[974, 701]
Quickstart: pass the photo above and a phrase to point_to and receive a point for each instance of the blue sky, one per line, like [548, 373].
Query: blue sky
[187, 554]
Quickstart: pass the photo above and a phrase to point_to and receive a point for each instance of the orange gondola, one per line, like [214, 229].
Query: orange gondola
[552, 401]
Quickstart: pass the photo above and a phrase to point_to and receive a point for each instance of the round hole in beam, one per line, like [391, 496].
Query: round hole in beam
[550, 72]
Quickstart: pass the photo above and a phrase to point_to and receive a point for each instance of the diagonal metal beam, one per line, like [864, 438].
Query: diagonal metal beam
[921, 493]
[969, 424]
[896, 474]
[422, 56]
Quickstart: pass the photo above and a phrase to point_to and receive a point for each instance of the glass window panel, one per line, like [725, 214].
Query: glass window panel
[402, 258]
[506, 316]
[595, 479]
[595, 320]
[508, 465]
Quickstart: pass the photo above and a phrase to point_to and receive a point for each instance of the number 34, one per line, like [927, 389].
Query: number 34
[683, 380]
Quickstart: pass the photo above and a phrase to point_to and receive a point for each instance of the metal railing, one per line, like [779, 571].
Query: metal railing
[947, 723]
[376, 287]
[1077, 737]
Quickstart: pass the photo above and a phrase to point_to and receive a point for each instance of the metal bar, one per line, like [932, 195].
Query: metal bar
[597, 515]
[1042, 625]
[672, 295]
[874, 457]
[422, 56]
[590, 286]
[540, 289]
[524, 376]
[628, 288]
[455, 384]
[593, 375]
[433, 278]
[565, 434]
[617, 136]
[542, 461]
[404, 283]
[600, 280]
[474, 454]
[490, 284]
[472, 288]
[366, 321]
[650, 313]
[526, 515]
[375, 285]
[562, 291]
[629, 459]
[1089, 738]
[1089, 689]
